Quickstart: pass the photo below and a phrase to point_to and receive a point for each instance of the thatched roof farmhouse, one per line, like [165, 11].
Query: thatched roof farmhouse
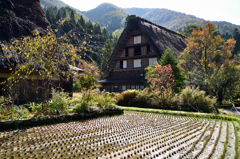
[141, 44]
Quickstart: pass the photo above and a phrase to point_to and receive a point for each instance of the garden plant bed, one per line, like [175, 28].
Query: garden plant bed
[133, 135]
[19, 124]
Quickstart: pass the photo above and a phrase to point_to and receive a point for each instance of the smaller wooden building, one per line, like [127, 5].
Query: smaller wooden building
[141, 44]
[33, 91]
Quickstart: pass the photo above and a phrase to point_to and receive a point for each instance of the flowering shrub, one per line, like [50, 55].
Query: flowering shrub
[161, 77]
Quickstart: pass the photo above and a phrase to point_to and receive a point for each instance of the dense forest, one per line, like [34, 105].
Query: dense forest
[95, 42]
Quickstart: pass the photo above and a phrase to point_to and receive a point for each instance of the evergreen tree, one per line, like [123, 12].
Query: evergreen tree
[97, 29]
[105, 33]
[82, 21]
[58, 16]
[236, 36]
[169, 58]
[48, 16]
[53, 18]
[65, 14]
[106, 53]
[72, 16]
[90, 25]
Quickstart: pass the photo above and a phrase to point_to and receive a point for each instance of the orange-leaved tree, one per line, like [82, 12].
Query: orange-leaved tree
[210, 56]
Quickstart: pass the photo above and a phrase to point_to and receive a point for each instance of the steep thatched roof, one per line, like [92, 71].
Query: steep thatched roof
[158, 37]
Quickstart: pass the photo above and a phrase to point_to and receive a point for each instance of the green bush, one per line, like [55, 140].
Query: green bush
[165, 99]
[127, 98]
[59, 102]
[147, 99]
[8, 111]
[195, 96]
[105, 99]
[5, 101]
[13, 112]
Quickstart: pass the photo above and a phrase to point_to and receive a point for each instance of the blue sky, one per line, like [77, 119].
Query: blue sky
[217, 10]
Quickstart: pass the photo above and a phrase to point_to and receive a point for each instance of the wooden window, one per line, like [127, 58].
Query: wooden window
[126, 52]
[137, 87]
[124, 88]
[123, 64]
[152, 61]
[141, 87]
[137, 50]
[137, 63]
[148, 49]
[132, 87]
[137, 39]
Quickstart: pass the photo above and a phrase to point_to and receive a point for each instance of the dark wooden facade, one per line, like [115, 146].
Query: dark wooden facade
[32, 91]
[135, 50]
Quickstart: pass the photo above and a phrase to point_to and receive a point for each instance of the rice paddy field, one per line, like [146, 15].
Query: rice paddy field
[132, 135]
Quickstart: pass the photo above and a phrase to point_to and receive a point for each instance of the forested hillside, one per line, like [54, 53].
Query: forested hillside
[108, 15]
[84, 33]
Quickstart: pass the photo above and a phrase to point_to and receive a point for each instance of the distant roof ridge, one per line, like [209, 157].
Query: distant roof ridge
[159, 26]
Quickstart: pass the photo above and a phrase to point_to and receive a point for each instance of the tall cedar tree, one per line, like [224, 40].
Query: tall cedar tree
[106, 53]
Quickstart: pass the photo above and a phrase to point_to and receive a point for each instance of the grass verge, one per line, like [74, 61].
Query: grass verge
[184, 113]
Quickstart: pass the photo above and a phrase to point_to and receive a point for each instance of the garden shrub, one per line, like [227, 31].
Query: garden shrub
[8, 111]
[195, 96]
[147, 99]
[59, 102]
[5, 101]
[94, 101]
[105, 99]
[165, 99]
[12, 112]
[127, 98]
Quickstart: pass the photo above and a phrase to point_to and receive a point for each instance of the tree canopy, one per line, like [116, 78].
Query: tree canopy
[209, 55]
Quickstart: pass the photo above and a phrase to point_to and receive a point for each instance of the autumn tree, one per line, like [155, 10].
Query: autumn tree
[160, 78]
[45, 57]
[169, 58]
[209, 55]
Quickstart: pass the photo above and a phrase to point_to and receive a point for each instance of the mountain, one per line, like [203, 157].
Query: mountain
[113, 17]
[59, 4]
[107, 15]
[53, 3]
[175, 20]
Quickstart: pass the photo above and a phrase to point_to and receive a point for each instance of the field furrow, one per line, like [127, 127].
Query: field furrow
[133, 135]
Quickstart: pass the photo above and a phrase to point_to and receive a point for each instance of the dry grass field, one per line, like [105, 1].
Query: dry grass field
[132, 135]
